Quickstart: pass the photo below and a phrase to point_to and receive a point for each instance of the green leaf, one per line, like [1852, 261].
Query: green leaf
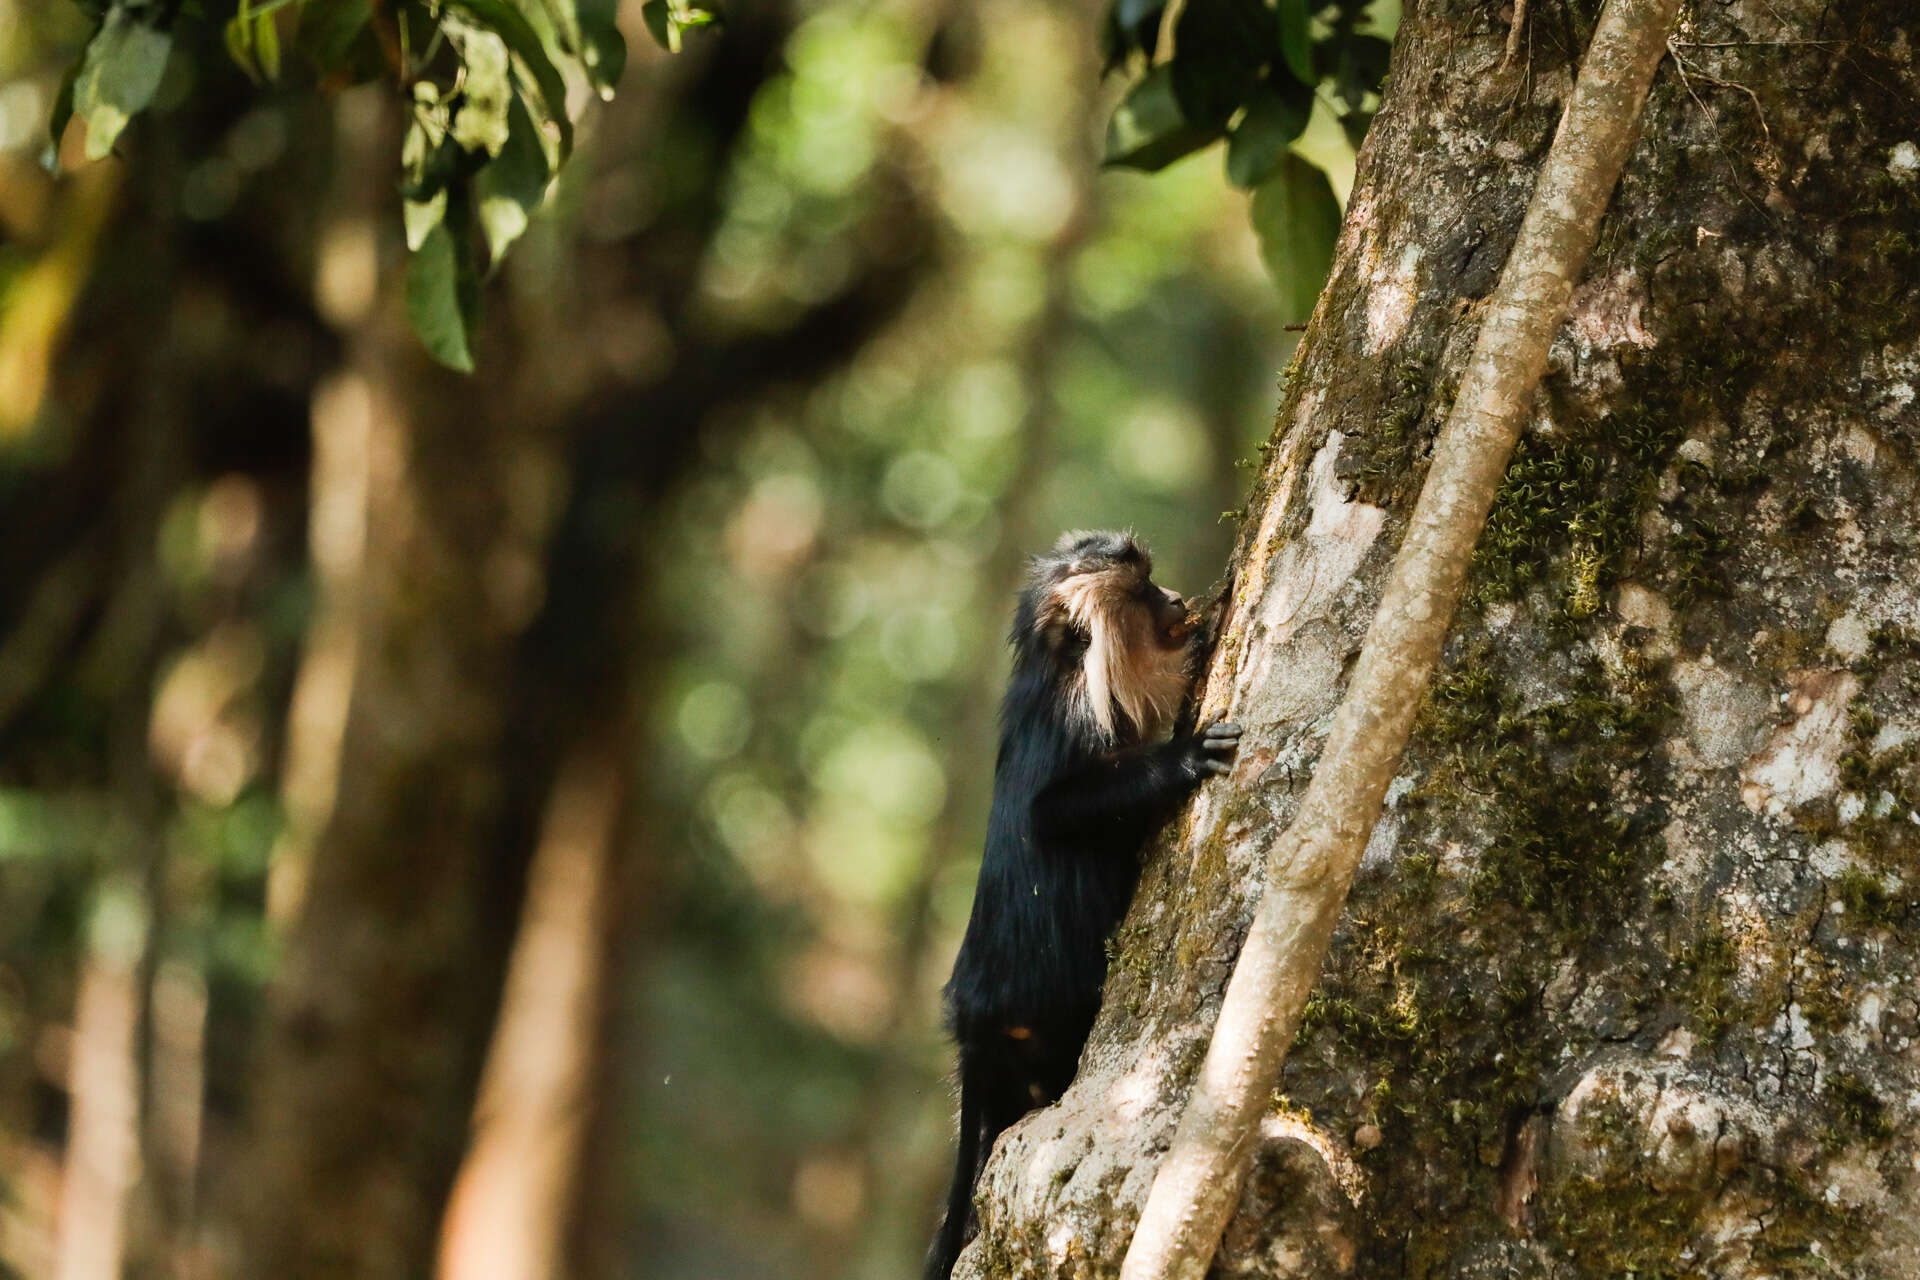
[443, 299]
[666, 20]
[431, 164]
[266, 42]
[486, 90]
[660, 24]
[1371, 58]
[565, 17]
[1359, 66]
[329, 29]
[1296, 42]
[1148, 130]
[512, 187]
[57, 122]
[238, 35]
[422, 216]
[1297, 219]
[1259, 142]
[119, 74]
[1219, 47]
[603, 50]
[508, 23]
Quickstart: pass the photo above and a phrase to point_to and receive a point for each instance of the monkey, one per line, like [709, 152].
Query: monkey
[1102, 661]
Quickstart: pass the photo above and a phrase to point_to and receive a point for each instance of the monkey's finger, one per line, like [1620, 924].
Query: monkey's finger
[1221, 731]
[1218, 768]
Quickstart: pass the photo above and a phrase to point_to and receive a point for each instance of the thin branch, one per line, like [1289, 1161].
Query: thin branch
[1681, 65]
[1513, 33]
[1719, 146]
[1311, 867]
[1163, 44]
[1755, 44]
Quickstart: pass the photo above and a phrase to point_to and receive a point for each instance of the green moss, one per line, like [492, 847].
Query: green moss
[1703, 972]
[1556, 498]
[1381, 462]
[1870, 904]
[1890, 641]
[1617, 1224]
[1435, 989]
[1858, 1113]
[1824, 992]
[1801, 1234]
[1620, 1227]
[1888, 783]
[1540, 783]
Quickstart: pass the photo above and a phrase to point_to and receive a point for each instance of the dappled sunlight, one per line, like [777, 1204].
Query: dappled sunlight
[510, 1208]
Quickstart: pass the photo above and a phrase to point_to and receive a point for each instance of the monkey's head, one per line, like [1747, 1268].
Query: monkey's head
[1114, 642]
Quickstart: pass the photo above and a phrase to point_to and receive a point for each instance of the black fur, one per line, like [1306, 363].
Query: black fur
[1071, 809]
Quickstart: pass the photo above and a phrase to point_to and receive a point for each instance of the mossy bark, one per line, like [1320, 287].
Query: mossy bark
[1624, 983]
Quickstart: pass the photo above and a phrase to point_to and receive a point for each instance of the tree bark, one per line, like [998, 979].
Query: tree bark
[1310, 868]
[1621, 987]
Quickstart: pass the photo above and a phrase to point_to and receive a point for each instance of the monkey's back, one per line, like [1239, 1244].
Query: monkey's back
[1035, 947]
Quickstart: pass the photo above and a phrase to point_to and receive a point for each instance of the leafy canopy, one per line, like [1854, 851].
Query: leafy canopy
[490, 127]
[483, 81]
[1250, 72]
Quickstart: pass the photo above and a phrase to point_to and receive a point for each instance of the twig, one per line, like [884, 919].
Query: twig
[1163, 45]
[1753, 44]
[1681, 64]
[1310, 868]
[1733, 170]
[1513, 33]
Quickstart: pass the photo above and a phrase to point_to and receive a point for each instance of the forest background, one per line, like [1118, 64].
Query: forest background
[639, 684]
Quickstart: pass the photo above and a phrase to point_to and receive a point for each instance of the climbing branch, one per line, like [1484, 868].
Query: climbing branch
[1311, 866]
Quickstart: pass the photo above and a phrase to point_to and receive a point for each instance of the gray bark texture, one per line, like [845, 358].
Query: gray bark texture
[1625, 983]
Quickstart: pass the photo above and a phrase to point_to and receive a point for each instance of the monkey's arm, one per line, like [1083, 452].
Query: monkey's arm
[1129, 795]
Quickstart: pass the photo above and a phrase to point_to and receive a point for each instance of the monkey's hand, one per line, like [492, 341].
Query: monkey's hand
[1209, 751]
[1123, 798]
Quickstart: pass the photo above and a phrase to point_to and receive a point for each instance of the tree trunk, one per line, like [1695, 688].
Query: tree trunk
[400, 883]
[1621, 987]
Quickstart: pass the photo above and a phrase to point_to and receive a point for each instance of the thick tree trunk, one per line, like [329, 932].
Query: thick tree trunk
[400, 883]
[1623, 985]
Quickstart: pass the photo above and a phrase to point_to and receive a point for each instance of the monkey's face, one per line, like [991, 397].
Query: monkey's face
[1114, 632]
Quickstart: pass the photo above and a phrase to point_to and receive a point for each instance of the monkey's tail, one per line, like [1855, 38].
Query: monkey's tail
[966, 1167]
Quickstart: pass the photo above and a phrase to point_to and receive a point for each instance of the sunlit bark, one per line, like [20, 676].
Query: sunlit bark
[103, 1148]
[508, 1218]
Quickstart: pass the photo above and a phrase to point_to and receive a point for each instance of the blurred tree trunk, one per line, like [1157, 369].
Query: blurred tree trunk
[515, 1199]
[400, 888]
[104, 1084]
[477, 647]
[1623, 986]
